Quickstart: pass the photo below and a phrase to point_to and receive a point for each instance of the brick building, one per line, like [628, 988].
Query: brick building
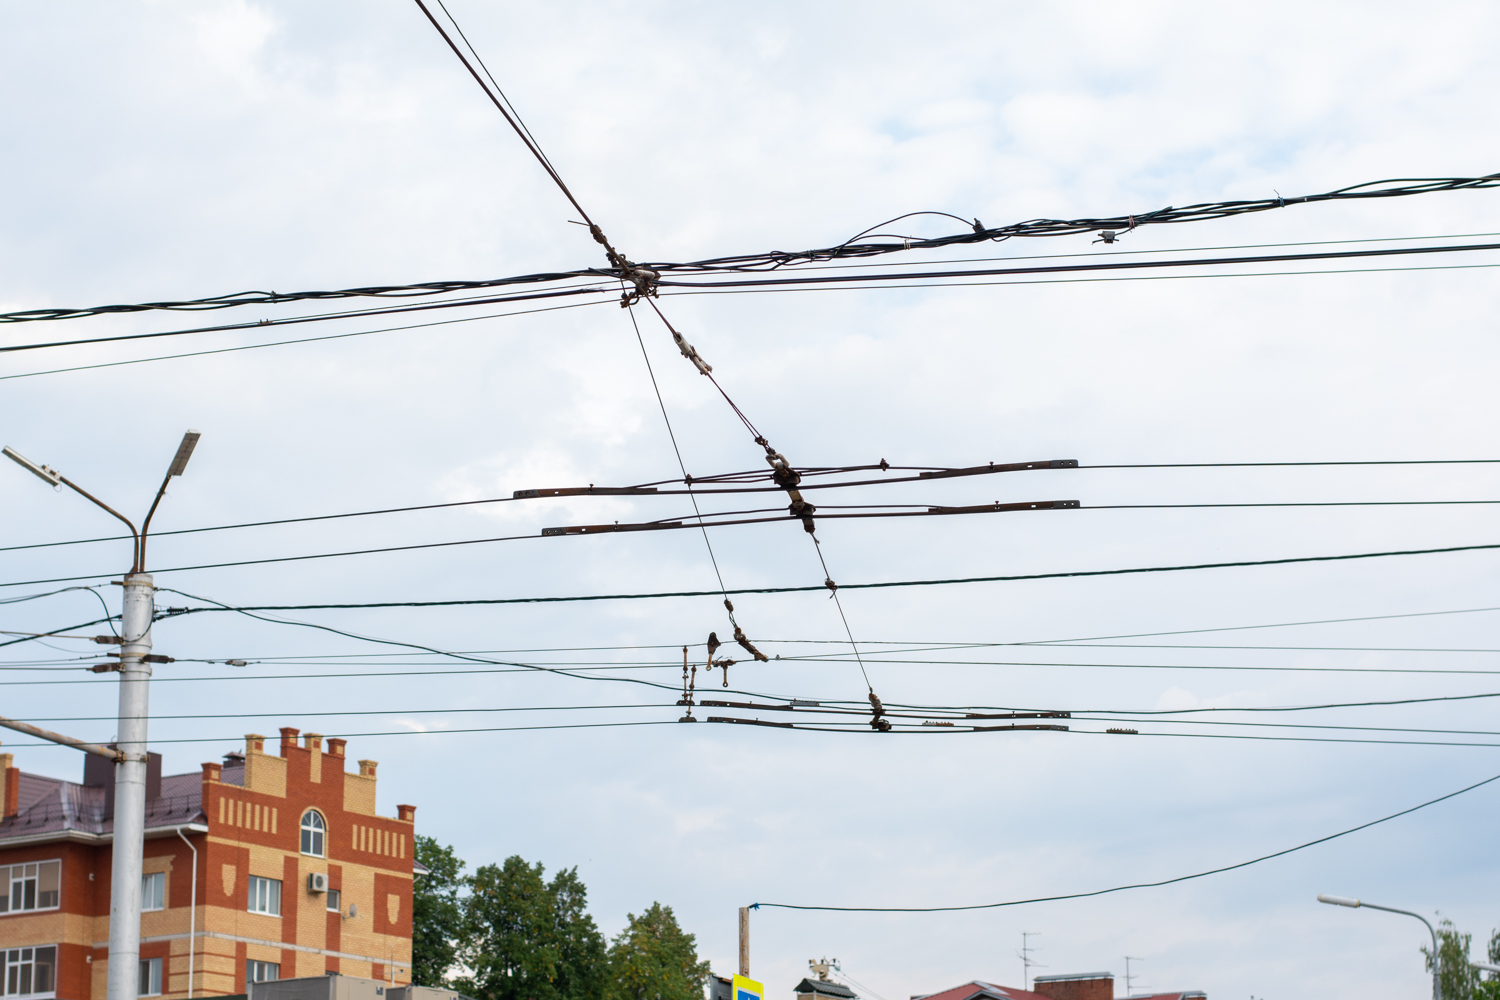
[296, 875]
[1079, 986]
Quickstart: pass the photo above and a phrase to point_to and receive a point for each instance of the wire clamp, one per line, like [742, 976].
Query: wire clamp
[739, 637]
[691, 353]
[877, 723]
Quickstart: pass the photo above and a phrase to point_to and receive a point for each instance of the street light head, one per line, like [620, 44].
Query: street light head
[52, 476]
[184, 452]
[1338, 900]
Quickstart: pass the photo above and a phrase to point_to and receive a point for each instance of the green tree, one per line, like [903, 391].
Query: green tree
[1489, 989]
[436, 913]
[654, 959]
[527, 939]
[1456, 977]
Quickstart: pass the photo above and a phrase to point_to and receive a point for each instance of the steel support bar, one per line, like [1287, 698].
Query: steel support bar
[67, 741]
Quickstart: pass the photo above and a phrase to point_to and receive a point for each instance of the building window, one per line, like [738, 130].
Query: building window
[334, 901]
[261, 972]
[30, 887]
[313, 829]
[28, 971]
[154, 891]
[150, 985]
[265, 896]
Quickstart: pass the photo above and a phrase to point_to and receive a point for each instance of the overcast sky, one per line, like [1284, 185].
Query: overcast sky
[163, 150]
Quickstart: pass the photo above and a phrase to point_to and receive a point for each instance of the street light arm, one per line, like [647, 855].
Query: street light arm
[1409, 913]
[135, 566]
[179, 463]
[1436, 968]
[140, 566]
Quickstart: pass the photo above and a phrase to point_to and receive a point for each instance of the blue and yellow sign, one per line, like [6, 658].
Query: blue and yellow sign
[748, 989]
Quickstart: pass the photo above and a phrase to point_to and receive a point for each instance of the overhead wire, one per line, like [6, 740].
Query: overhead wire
[1009, 578]
[694, 489]
[1135, 885]
[299, 340]
[671, 293]
[313, 318]
[772, 260]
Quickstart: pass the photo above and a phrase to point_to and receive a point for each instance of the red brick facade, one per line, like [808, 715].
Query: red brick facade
[244, 818]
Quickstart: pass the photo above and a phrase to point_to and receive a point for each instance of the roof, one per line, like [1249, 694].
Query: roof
[824, 988]
[978, 988]
[53, 809]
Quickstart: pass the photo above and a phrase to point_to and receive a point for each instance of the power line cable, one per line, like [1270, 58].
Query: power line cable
[773, 282]
[314, 318]
[1163, 666]
[948, 284]
[1135, 885]
[929, 474]
[744, 590]
[902, 286]
[409, 732]
[299, 340]
[774, 259]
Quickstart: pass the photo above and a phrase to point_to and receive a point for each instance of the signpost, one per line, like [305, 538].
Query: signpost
[746, 988]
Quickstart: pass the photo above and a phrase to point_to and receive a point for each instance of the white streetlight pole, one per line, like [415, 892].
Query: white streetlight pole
[1437, 989]
[130, 766]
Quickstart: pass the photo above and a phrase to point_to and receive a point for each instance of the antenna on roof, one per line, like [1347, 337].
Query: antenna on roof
[1128, 977]
[1025, 956]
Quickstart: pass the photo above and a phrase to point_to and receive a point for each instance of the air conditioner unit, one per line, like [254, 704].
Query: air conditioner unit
[317, 882]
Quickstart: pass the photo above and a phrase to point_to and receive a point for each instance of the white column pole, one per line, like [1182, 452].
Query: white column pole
[130, 791]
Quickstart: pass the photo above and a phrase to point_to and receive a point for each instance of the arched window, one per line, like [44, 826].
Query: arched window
[313, 829]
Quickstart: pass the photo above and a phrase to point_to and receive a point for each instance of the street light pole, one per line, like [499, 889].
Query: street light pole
[1437, 989]
[130, 764]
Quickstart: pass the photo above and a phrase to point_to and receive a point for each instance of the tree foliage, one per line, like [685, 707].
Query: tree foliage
[506, 933]
[654, 959]
[437, 913]
[528, 939]
[1456, 977]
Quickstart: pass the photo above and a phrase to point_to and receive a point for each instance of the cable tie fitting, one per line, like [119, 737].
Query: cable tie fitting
[830, 585]
[691, 353]
[1106, 236]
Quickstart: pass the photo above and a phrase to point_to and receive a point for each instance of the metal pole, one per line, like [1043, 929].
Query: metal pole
[1437, 967]
[130, 791]
[192, 913]
[1437, 987]
[745, 941]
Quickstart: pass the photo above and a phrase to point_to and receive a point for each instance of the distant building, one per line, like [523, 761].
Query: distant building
[295, 875]
[1080, 986]
[823, 989]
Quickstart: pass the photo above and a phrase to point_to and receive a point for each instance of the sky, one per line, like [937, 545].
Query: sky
[166, 149]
